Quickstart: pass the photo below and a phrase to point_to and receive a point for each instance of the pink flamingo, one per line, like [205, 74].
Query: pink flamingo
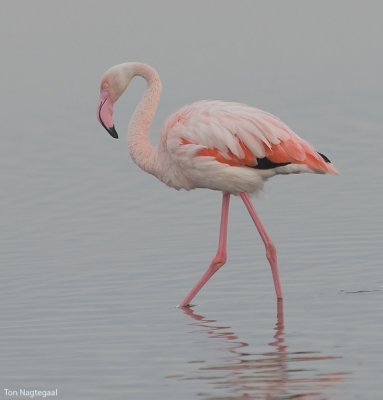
[217, 145]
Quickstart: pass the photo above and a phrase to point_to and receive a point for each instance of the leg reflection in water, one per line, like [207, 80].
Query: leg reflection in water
[276, 374]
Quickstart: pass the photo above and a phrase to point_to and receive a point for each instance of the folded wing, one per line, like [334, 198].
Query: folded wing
[239, 135]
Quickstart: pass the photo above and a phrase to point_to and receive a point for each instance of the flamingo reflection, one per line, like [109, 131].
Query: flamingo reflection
[273, 375]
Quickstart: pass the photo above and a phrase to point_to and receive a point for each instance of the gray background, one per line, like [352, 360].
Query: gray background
[95, 254]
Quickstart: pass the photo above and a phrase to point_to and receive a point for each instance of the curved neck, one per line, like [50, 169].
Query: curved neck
[141, 151]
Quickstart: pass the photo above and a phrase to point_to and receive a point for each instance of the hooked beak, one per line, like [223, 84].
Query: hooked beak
[105, 113]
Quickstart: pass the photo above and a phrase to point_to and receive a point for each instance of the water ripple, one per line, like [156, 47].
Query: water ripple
[278, 373]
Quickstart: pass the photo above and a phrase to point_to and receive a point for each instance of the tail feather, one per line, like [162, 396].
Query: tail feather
[330, 168]
[324, 157]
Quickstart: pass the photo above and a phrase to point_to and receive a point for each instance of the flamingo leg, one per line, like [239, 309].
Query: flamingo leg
[220, 258]
[271, 252]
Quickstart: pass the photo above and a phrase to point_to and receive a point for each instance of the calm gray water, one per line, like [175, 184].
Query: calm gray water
[95, 254]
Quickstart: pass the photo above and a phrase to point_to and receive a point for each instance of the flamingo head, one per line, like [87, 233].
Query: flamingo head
[113, 83]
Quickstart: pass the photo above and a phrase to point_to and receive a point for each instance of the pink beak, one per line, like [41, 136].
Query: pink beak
[105, 113]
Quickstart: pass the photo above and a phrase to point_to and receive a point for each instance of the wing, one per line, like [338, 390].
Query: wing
[238, 135]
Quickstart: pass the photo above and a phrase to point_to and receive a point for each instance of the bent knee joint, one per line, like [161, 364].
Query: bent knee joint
[219, 261]
[271, 251]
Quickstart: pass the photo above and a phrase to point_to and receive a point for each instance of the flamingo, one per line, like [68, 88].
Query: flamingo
[225, 146]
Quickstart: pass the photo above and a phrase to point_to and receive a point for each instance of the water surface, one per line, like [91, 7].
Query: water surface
[95, 254]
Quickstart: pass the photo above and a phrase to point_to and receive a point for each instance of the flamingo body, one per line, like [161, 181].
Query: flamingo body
[231, 147]
[225, 146]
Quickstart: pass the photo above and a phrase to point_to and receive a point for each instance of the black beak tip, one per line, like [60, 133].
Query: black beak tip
[112, 132]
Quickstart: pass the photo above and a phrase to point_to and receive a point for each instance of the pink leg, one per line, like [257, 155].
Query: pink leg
[220, 258]
[271, 252]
